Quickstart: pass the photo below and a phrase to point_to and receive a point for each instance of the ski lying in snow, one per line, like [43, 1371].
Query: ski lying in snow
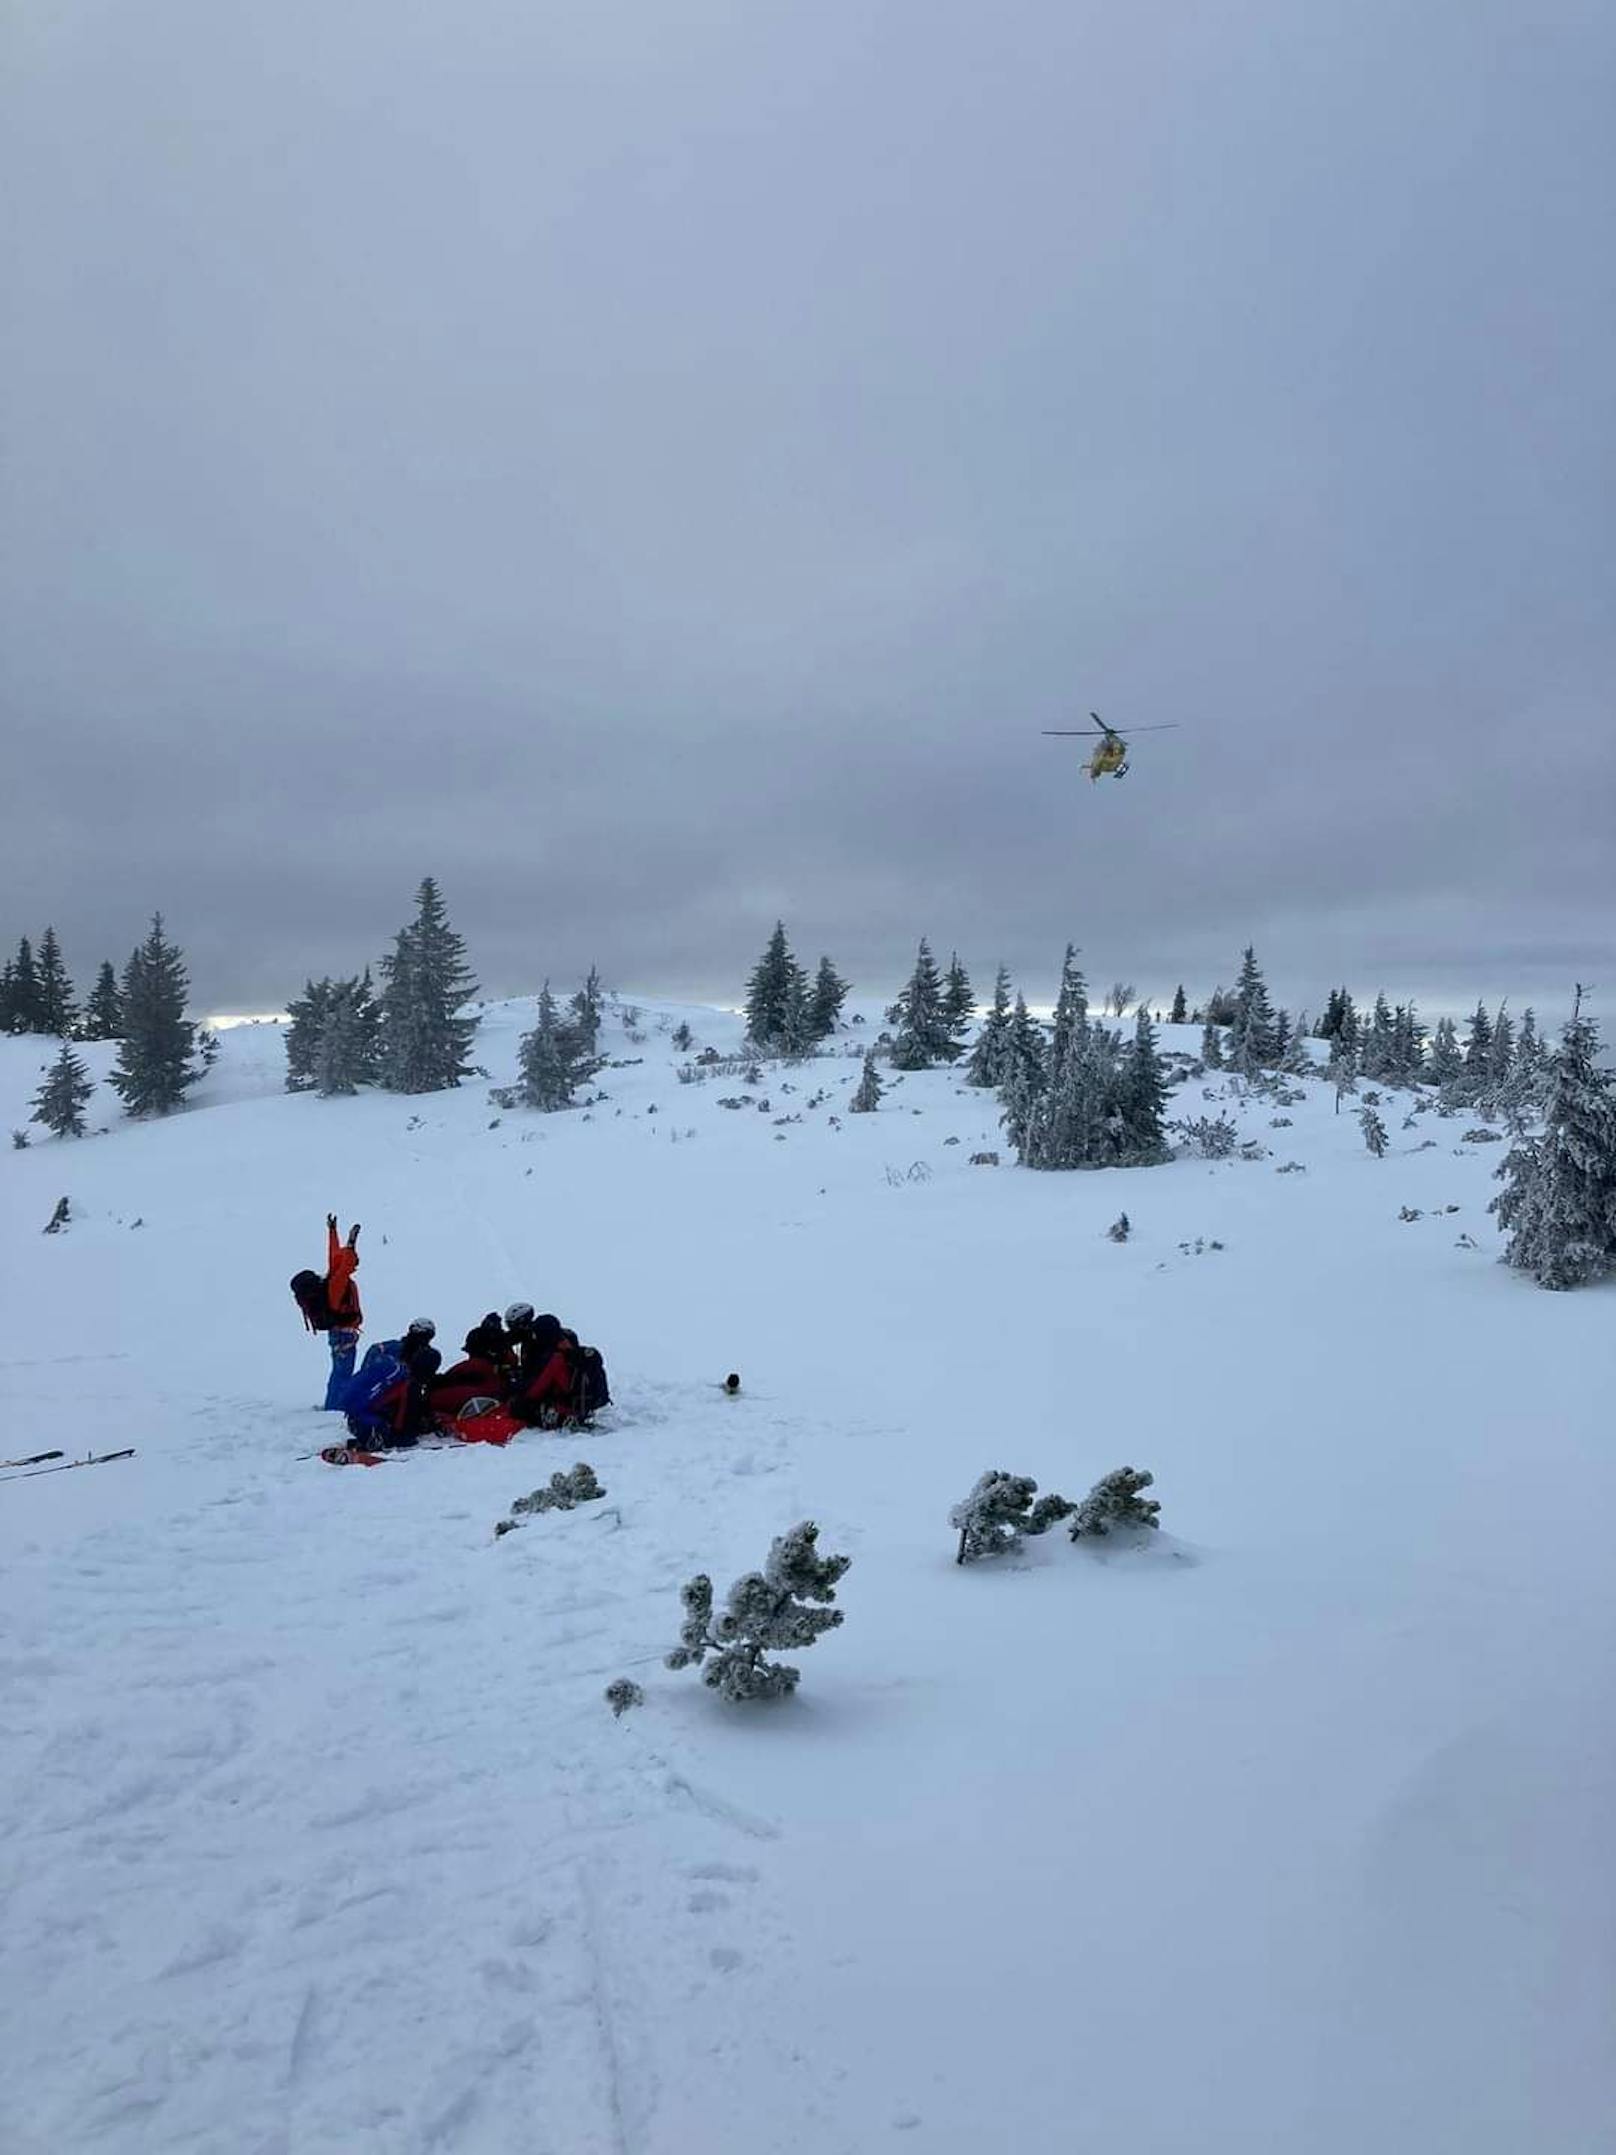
[349, 1455]
[95, 1459]
[33, 1460]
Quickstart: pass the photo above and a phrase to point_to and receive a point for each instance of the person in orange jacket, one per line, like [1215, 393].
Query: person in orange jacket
[342, 1299]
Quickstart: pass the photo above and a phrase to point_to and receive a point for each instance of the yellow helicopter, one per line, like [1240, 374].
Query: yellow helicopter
[1110, 757]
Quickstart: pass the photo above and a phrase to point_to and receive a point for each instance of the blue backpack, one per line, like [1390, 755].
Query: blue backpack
[376, 1375]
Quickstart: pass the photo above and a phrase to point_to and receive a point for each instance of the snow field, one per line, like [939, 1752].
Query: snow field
[1287, 1832]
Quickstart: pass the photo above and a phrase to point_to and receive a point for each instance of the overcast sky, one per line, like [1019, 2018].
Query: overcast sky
[657, 464]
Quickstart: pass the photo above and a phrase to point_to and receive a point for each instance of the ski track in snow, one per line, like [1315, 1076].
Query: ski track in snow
[1285, 1833]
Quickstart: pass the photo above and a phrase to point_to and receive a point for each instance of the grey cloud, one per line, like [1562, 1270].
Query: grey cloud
[660, 467]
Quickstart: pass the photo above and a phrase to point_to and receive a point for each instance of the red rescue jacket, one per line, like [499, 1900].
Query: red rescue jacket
[475, 1378]
[341, 1289]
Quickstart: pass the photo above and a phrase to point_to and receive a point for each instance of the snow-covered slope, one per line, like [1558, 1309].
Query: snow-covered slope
[1289, 1833]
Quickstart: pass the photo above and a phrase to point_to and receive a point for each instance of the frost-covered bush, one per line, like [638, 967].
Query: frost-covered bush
[564, 1493]
[623, 1693]
[1115, 1502]
[868, 1096]
[1374, 1131]
[1121, 1228]
[766, 1610]
[999, 1511]
[1208, 1137]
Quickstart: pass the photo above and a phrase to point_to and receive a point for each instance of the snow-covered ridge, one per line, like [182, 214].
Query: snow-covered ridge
[1286, 1833]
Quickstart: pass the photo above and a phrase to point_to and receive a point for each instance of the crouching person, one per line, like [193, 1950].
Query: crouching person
[389, 1403]
[480, 1375]
[566, 1388]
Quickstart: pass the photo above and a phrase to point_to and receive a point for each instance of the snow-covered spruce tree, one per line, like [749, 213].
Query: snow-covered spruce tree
[1025, 1053]
[1447, 1063]
[56, 1012]
[867, 1098]
[1330, 1021]
[1501, 1055]
[347, 1051]
[154, 1065]
[775, 990]
[959, 1002]
[1529, 1051]
[1342, 1066]
[1061, 1126]
[825, 1001]
[999, 1511]
[552, 1059]
[1211, 1046]
[766, 1611]
[1519, 1098]
[8, 997]
[60, 1102]
[987, 1061]
[1342, 1023]
[1071, 1015]
[1179, 1014]
[1374, 1131]
[103, 1013]
[1559, 1196]
[1115, 1502]
[1144, 1096]
[24, 1012]
[1100, 1108]
[306, 1015]
[1253, 1037]
[1478, 1048]
[923, 1036]
[1297, 1060]
[585, 1009]
[1408, 1046]
[1375, 1056]
[426, 982]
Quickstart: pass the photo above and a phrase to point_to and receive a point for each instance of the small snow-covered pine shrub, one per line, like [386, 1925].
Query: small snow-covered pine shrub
[60, 1102]
[1121, 1228]
[565, 1493]
[868, 1096]
[623, 1693]
[766, 1610]
[1115, 1502]
[999, 1511]
[1208, 1137]
[1374, 1131]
